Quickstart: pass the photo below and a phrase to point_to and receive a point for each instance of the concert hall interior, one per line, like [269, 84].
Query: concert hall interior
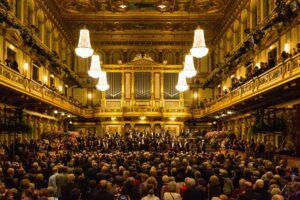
[149, 99]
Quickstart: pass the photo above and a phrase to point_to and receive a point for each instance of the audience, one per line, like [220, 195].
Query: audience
[140, 165]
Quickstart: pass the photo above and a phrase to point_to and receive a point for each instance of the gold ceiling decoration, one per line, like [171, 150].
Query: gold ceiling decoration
[143, 20]
[204, 6]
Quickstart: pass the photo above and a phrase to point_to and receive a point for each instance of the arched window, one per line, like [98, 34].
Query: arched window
[116, 56]
[169, 57]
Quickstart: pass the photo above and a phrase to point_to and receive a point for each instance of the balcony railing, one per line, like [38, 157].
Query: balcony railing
[16, 81]
[173, 108]
[284, 72]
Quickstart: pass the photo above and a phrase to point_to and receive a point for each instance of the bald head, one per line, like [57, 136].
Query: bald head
[277, 197]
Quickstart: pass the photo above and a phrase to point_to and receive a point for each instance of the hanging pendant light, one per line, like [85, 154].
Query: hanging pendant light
[189, 67]
[102, 83]
[84, 48]
[182, 85]
[95, 68]
[199, 49]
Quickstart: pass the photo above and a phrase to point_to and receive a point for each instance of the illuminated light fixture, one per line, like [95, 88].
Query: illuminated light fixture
[55, 111]
[70, 122]
[195, 95]
[232, 76]
[258, 65]
[52, 76]
[60, 88]
[66, 86]
[162, 5]
[69, 115]
[84, 49]
[287, 47]
[142, 118]
[102, 83]
[89, 95]
[223, 115]
[113, 118]
[26, 66]
[45, 79]
[238, 77]
[224, 88]
[122, 5]
[229, 112]
[95, 68]
[62, 114]
[181, 85]
[172, 118]
[219, 86]
[199, 49]
[12, 47]
[217, 117]
[214, 122]
[189, 67]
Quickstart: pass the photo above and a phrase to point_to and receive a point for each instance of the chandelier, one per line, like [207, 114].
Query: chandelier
[182, 85]
[102, 83]
[199, 49]
[84, 48]
[189, 68]
[95, 68]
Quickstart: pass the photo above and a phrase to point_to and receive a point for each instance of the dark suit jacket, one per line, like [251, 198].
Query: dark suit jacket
[249, 195]
[194, 193]
[66, 191]
[103, 195]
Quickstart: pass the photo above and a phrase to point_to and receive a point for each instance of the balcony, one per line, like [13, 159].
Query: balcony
[283, 73]
[136, 108]
[18, 82]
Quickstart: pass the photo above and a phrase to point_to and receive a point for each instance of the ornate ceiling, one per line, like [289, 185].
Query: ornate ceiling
[142, 20]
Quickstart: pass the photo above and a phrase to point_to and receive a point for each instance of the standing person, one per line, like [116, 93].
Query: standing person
[102, 193]
[52, 179]
[193, 192]
[171, 194]
[150, 195]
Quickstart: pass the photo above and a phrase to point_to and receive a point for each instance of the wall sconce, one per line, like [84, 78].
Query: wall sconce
[89, 95]
[26, 65]
[51, 75]
[287, 47]
[172, 118]
[45, 79]
[142, 118]
[195, 95]
[113, 118]
[55, 111]
[258, 65]
[62, 114]
[12, 47]
[224, 88]
[60, 88]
